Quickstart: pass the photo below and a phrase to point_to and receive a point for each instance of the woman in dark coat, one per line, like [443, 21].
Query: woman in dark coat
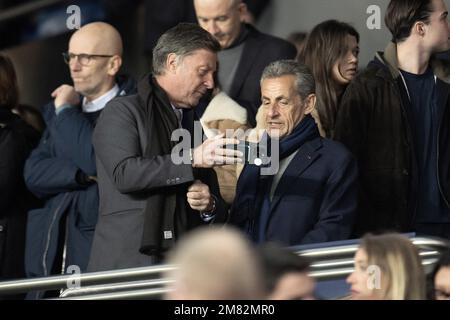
[17, 139]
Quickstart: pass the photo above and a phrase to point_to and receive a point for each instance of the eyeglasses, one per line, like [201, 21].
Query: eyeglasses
[83, 58]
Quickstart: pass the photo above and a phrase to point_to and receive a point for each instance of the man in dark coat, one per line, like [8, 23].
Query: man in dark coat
[395, 118]
[61, 170]
[245, 51]
[148, 199]
[312, 196]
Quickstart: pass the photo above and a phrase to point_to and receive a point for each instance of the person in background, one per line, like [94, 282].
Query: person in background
[387, 267]
[17, 139]
[214, 264]
[285, 274]
[440, 278]
[395, 118]
[331, 51]
[161, 15]
[245, 51]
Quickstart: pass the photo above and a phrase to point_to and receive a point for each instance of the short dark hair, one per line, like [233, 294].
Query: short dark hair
[9, 90]
[277, 261]
[401, 15]
[304, 79]
[183, 40]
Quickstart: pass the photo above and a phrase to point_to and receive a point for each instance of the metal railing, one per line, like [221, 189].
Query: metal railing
[334, 262]
[85, 279]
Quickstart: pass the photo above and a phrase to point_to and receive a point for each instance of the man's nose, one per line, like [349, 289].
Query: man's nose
[209, 81]
[74, 64]
[212, 27]
[273, 110]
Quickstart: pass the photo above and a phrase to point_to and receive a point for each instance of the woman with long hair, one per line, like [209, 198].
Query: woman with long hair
[331, 52]
[387, 267]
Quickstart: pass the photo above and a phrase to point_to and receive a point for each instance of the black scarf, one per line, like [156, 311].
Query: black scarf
[162, 204]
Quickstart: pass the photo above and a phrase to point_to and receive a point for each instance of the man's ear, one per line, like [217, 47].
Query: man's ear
[114, 65]
[418, 28]
[243, 12]
[171, 62]
[310, 103]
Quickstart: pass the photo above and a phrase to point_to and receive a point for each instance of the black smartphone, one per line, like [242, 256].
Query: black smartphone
[253, 153]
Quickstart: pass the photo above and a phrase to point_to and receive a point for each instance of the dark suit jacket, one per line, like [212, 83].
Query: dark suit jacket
[259, 50]
[315, 200]
[126, 178]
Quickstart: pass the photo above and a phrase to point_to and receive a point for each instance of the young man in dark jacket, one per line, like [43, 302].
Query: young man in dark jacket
[62, 169]
[395, 118]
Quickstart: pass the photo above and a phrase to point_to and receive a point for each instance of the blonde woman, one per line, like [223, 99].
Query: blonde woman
[387, 267]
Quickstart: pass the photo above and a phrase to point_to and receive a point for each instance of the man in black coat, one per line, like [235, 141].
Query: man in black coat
[245, 51]
[148, 199]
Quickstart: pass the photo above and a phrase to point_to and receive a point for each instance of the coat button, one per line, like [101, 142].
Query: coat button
[405, 172]
[168, 181]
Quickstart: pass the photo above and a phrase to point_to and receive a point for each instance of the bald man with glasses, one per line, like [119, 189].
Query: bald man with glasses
[61, 170]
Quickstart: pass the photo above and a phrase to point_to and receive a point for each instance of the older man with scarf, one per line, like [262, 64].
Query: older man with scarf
[147, 199]
[312, 197]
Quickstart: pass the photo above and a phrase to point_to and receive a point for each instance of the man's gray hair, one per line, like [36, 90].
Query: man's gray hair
[182, 40]
[304, 79]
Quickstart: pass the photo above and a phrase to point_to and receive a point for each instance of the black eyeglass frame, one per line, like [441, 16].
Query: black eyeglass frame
[67, 56]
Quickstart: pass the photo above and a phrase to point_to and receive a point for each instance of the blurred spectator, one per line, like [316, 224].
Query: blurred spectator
[440, 278]
[331, 51]
[387, 267]
[214, 264]
[223, 116]
[285, 274]
[245, 51]
[311, 195]
[11, 94]
[62, 169]
[298, 39]
[17, 139]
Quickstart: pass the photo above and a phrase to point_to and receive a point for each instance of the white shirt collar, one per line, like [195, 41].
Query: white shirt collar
[100, 102]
